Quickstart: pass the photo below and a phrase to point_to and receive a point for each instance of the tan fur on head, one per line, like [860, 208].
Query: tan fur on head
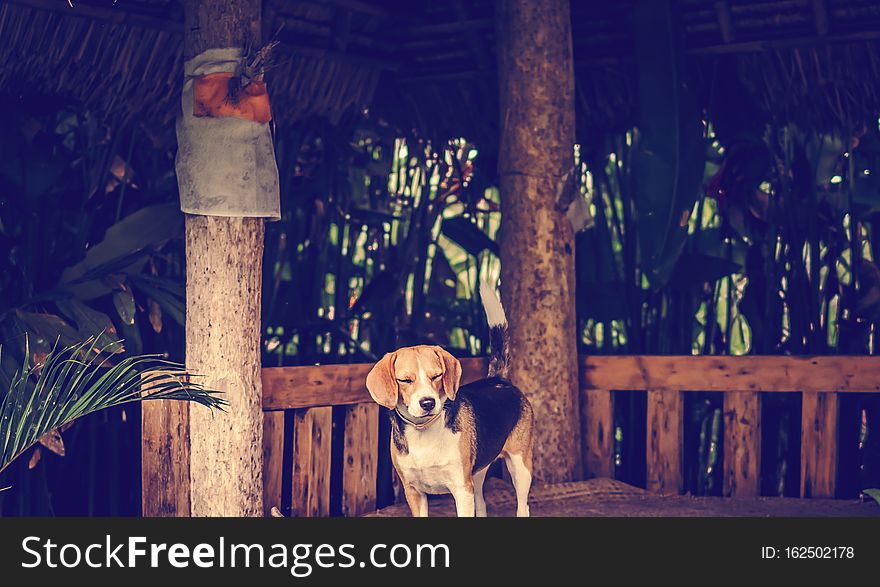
[381, 382]
[451, 372]
[411, 374]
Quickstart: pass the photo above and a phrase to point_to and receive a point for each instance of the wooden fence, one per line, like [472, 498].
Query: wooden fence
[298, 404]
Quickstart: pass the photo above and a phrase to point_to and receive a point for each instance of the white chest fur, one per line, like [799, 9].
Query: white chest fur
[433, 463]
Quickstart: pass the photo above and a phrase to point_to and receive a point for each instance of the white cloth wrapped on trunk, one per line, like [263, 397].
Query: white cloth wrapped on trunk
[225, 166]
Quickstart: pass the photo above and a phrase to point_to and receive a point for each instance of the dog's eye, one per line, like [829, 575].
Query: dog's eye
[404, 380]
[436, 377]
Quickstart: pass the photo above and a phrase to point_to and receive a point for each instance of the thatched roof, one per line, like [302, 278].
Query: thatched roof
[429, 64]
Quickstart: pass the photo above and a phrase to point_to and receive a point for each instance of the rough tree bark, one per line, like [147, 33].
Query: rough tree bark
[223, 289]
[536, 86]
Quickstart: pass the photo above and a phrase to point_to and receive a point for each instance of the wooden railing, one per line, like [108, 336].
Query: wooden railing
[742, 381]
[300, 460]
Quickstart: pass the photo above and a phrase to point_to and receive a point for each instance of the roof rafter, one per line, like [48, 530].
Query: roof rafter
[820, 15]
[725, 21]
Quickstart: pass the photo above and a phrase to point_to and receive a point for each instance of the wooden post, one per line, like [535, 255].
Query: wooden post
[165, 459]
[223, 269]
[597, 415]
[273, 460]
[312, 434]
[536, 91]
[665, 430]
[819, 413]
[359, 459]
[742, 444]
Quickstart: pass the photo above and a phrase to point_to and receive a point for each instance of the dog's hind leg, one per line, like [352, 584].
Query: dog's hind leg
[519, 466]
[517, 453]
[479, 502]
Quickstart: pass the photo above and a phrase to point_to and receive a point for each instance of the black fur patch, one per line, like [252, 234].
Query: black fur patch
[499, 360]
[398, 425]
[497, 407]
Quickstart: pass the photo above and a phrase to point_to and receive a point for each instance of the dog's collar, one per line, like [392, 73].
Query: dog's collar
[419, 423]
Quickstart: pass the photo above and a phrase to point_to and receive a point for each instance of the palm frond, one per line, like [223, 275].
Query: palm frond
[78, 380]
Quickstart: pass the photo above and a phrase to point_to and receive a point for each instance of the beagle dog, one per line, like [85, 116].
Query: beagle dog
[445, 436]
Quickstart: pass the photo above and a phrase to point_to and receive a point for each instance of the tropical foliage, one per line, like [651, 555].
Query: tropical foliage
[91, 251]
[716, 230]
[76, 381]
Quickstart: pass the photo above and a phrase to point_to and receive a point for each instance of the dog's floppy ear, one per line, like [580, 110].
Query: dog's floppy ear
[381, 382]
[451, 372]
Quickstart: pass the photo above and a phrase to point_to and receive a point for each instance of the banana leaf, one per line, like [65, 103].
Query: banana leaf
[91, 323]
[169, 294]
[670, 159]
[695, 269]
[469, 236]
[122, 242]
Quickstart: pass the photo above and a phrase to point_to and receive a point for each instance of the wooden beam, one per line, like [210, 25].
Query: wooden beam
[725, 373]
[359, 6]
[332, 385]
[290, 48]
[819, 444]
[341, 29]
[820, 16]
[328, 385]
[725, 21]
[791, 43]
[734, 48]
[445, 28]
[742, 444]
[665, 439]
[477, 46]
[322, 34]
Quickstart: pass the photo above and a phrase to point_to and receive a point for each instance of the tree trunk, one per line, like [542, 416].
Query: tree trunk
[536, 86]
[223, 291]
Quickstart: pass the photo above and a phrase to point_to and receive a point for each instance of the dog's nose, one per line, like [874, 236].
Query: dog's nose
[427, 403]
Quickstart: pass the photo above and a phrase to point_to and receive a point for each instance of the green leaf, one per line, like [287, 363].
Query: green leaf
[169, 294]
[603, 302]
[49, 327]
[372, 217]
[594, 257]
[71, 382]
[468, 235]
[91, 323]
[32, 170]
[377, 292]
[695, 269]
[123, 300]
[873, 494]
[121, 249]
[669, 161]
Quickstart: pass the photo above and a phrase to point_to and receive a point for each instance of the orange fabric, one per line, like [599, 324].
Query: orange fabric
[211, 99]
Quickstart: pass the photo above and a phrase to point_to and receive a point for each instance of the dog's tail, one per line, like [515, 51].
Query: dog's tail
[499, 361]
